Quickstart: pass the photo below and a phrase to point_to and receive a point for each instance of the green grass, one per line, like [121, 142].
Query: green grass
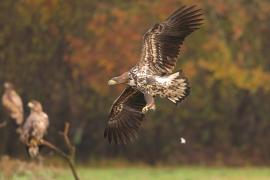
[146, 173]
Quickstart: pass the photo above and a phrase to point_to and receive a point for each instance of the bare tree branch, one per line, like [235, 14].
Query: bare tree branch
[71, 148]
[69, 158]
[63, 155]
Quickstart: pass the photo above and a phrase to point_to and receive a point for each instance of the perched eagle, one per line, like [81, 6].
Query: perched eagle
[12, 102]
[152, 75]
[35, 128]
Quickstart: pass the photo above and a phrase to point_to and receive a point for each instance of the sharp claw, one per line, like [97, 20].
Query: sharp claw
[149, 107]
[145, 109]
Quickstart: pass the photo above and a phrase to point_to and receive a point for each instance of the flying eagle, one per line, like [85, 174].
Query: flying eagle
[12, 102]
[152, 75]
[35, 128]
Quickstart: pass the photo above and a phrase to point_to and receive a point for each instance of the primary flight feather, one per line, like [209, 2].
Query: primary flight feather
[153, 75]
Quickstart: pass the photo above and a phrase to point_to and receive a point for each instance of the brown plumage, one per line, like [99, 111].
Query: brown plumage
[153, 75]
[125, 116]
[35, 128]
[161, 43]
[12, 103]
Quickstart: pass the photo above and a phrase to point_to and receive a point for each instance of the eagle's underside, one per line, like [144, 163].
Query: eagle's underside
[174, 87]
[152, 76]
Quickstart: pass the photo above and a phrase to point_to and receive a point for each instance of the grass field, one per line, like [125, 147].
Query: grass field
[141, 173]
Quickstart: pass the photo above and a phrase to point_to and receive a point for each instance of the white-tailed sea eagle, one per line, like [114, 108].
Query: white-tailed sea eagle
[12, 102]
[35, 128]
[153, 75]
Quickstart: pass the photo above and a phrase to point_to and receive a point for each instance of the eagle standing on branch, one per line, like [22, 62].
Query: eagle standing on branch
[12, 102]
[153, 75]
[35, 128]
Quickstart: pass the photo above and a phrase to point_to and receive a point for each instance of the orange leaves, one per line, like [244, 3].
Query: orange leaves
[116, 40]
[229, 66]
[259, 79]
[211, 44]
[264, 7]
[221, 46]
[190, 69]
[243, 78]
[43, 7]
[220, 7]
[97, 23]
[114, 47]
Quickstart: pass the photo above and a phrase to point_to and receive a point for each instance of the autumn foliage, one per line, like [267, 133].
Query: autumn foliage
[62, 52]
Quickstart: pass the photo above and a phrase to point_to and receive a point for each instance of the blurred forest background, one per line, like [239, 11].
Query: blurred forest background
[62, 52]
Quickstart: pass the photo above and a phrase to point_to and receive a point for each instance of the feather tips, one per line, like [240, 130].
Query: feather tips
[162, 42]
[125, 117]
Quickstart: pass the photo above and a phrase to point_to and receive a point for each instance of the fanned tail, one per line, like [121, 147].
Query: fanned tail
[179, 87]
[174, 87]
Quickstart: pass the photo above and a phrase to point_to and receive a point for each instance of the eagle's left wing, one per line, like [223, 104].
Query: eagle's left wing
[125, 117]
[161, 43]
[13, 103]
[27, 128]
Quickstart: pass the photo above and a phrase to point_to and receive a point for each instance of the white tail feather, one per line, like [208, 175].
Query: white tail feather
[175, 87]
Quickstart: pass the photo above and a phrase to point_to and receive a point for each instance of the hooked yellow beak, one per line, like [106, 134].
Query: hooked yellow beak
[112, 82]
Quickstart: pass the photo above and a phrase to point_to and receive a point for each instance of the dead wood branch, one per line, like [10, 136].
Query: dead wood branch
[68, 158]
[63, 155]
[71, 148]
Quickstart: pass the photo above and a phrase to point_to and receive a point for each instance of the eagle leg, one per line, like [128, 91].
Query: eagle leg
[150, 103]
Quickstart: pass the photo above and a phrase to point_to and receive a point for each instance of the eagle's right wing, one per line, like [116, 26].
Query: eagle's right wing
[27, 129]
[125, 117]
[161, 43]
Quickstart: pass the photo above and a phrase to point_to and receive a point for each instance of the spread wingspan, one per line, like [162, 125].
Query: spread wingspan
[152, 75]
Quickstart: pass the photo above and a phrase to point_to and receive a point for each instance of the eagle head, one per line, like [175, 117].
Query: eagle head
[35, 106]
[119, 79]
[8, 85]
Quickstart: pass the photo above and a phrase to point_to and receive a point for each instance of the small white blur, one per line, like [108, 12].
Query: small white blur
[183, 140]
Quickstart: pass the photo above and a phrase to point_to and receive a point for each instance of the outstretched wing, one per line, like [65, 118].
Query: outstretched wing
[161, 43]
[125, 117]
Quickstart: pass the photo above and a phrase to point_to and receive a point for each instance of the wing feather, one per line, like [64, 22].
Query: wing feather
[161, 43]
[125, 117]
